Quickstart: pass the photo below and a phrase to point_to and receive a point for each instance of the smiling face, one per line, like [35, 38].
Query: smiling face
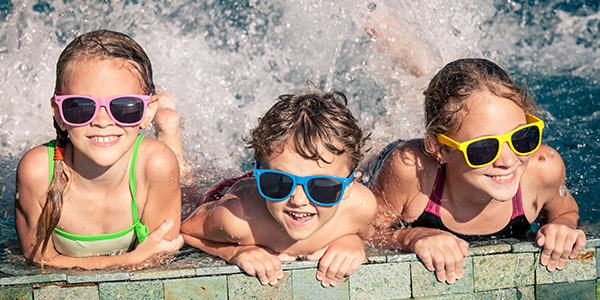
[488, 114]
[102, 141]
[298, 216]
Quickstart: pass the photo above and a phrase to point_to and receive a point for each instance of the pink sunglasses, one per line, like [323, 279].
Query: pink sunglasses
[125, 110]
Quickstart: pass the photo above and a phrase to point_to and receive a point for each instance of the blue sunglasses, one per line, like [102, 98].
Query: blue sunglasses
[321, 190]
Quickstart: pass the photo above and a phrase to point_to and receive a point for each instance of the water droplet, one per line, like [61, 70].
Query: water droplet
[563, 191]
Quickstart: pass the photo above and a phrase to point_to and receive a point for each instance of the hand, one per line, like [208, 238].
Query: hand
[561, 240]
[155, 242]
[441, 252]
[340, 258]
[257, 261]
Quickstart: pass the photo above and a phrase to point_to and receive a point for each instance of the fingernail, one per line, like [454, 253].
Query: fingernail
[168, 224]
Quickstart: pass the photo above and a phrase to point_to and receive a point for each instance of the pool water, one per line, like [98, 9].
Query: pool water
[227, 61]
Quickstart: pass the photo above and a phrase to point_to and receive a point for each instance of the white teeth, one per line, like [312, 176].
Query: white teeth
[103, 139]
[503, 177]
[295, 215]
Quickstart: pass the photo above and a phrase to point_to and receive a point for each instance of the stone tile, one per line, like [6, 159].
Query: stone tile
[32, 279]
[53, 292]
[137, 290]
[527, 246]
[209, 287]
[489, 247]
[592, 242]
[424, 282]
[243, 286]
[162, 274]
[306, 286]
[97, 277]
[449, 297]
[229, 269]
[401, 257]
[579, 269]
[300, 264]
[500, 271]
[16, 293]
[381, 281]
[521, 293]
[580, 290]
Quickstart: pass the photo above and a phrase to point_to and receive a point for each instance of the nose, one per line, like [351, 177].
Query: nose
[299, 197]
[102, 118]
[507, 157]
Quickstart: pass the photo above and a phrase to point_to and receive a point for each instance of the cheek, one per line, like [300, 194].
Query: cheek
[326, 212]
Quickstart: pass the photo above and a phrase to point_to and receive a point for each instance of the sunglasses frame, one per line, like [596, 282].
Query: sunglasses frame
[102, 102]
[532, 121]
[302, 180]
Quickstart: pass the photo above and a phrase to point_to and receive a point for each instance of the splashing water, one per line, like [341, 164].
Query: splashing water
[226, 63]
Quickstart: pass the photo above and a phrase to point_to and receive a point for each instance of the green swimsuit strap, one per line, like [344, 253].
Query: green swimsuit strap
[141, 230]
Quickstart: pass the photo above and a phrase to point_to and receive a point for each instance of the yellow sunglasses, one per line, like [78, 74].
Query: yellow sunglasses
[483, 151]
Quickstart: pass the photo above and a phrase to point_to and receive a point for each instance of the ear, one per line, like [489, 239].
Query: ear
[435, 148]
[150, 112]
[56, 115]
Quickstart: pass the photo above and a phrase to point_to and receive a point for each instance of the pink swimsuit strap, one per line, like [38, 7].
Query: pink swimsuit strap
[433, 205]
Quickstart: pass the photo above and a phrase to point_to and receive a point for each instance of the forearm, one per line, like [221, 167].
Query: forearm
[92, 262]
[225, 251]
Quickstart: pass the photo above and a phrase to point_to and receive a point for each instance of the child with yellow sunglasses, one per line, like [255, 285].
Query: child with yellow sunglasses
[480, 173]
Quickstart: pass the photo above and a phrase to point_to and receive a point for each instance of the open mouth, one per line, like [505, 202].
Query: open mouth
[104, 140]
[299, 219]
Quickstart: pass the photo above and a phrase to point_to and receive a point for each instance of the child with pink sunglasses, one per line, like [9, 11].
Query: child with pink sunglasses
[480, 173]
[101, 194]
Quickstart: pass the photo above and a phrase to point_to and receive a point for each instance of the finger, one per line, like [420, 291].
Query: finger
[559, 239]
[426, 258]
[286, 258]
[547, 250]
[440, 264]
[540, 239]
[458, 264]
[579, 244]
[568, 244]
[162, 230]
[334, 268]
[173, 245]
[317, 254]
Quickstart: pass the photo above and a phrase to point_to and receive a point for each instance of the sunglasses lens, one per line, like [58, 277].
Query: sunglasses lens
[483, 151]
[325, 190]
[128, 110]
[526, 140]
[275, 185]
[78, 110]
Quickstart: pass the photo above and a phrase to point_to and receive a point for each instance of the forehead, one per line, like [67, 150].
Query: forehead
[88, 73]
[489, 114]
[288, 159]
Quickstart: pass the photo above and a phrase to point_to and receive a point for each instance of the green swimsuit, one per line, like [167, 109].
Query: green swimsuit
[103, 244]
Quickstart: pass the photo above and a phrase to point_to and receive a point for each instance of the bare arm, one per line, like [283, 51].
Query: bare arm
[32, 183]
[163, 201]
[405, 175]
[559, 234]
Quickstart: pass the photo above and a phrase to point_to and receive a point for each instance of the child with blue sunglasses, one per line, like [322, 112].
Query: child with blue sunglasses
[480, 173]
[302, 200]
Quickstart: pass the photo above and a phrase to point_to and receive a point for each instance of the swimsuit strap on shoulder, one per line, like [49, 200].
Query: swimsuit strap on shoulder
[51, 150]
[140, 229]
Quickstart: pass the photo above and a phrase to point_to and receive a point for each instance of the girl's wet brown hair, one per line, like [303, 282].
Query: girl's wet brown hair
[309, 121]
[455, 82]
[101, 44]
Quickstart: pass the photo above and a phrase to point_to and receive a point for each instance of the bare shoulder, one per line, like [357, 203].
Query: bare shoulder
[157, 160]
[229, 219]
[546, 167]
[33, 173]
[405, 160]
[361, 203]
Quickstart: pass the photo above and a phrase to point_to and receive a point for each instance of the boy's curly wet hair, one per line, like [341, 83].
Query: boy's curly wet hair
[309, 121]
[445, 95]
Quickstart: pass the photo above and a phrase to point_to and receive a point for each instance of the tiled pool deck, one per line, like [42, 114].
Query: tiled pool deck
[506, 269]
